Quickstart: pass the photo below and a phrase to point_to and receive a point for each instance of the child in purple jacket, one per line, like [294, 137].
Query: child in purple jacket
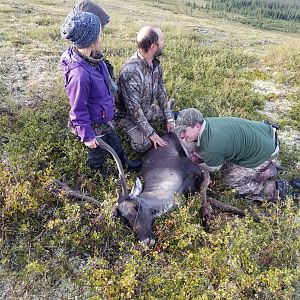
[87, 86]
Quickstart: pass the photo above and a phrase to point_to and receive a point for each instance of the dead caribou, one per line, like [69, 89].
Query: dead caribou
[167, 172]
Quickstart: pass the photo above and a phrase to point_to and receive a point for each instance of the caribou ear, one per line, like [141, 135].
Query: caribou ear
[137, 188]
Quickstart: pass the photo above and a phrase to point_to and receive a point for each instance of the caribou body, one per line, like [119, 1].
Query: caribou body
[168, 174]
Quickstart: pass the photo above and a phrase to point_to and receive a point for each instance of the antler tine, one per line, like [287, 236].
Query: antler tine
[63, 187]
[121, 180]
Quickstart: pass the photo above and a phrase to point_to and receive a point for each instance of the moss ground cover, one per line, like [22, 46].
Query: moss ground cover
[56, 247]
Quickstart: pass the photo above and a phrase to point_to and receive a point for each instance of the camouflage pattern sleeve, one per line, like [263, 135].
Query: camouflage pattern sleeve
[131, 85]
[162, 97]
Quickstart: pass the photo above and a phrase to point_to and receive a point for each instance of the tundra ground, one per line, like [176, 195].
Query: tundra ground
[55, 247]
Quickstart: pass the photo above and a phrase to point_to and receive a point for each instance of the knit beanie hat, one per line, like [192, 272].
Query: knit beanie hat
[81, 28]
[94, 8]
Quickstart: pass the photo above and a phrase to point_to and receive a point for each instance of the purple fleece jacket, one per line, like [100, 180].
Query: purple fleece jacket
[88, 92]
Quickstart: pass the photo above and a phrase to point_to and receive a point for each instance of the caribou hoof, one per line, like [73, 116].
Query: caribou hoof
[148, 242]
[206, 215]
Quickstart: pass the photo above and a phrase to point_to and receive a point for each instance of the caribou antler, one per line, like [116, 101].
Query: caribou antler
[121, 181]
[73, 194]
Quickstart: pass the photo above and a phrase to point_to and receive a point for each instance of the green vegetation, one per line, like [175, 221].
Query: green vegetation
[269, 9]
[56, 247]
[265, 14]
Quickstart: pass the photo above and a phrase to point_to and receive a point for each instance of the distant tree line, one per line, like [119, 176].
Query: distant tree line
[272, 9]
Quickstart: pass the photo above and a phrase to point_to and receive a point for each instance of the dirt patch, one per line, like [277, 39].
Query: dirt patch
[211, 36]
[27, 79]
[277, 108]
[269, 87]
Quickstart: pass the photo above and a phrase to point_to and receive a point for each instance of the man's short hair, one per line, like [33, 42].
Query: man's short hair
[148, 39]
[188, 117]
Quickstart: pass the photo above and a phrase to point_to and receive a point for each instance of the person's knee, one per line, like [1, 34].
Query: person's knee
[141, 148]
[139, 142]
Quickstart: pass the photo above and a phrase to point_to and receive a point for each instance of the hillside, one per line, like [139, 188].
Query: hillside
[265, 14]
[56, 247]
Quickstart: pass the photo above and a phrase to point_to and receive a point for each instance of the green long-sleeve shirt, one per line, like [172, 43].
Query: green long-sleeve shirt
[243, 142]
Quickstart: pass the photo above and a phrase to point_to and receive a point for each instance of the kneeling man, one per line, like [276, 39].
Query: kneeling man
[140, 86]
[244, 150]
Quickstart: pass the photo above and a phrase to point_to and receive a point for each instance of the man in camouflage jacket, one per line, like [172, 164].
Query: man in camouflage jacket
[140, 83]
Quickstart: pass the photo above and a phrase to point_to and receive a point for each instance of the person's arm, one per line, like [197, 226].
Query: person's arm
[131, 84]
[213, 161]
[170, 124]
[210, 169]
[162, 98]
[78, 90]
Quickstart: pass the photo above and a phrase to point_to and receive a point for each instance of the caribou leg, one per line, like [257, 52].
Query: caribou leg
[187, 186]
[231, 209]
[206, 209]
[203, 179]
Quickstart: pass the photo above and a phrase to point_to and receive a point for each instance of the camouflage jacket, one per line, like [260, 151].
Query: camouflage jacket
[138, 86]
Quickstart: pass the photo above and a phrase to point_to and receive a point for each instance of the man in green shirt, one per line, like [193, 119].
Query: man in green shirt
[244, 150]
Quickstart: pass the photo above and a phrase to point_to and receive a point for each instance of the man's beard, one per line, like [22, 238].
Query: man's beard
[159, 52]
